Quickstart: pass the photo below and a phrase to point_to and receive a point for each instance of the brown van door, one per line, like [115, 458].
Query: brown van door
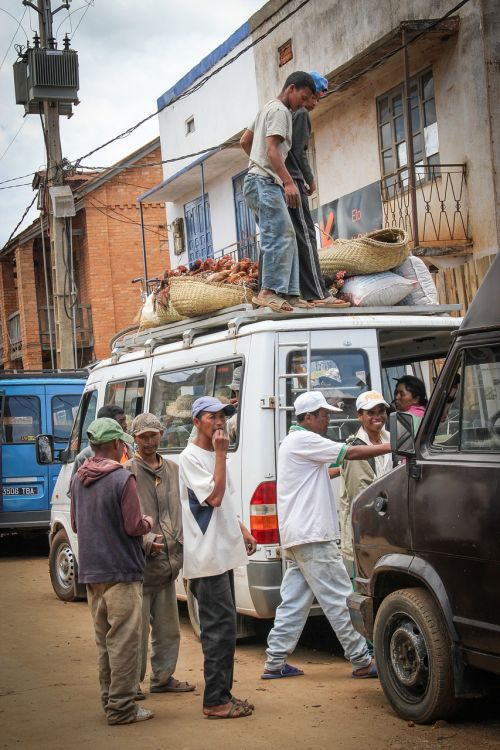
[455, 503]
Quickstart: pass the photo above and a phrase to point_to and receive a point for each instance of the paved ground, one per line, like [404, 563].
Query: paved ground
[49, 692]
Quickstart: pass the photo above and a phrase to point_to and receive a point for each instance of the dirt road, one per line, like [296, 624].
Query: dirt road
[49, 692]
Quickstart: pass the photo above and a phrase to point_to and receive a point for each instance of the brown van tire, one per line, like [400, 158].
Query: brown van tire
[413, 655]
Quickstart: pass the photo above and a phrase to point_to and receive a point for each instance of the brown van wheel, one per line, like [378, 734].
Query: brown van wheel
[413, 655]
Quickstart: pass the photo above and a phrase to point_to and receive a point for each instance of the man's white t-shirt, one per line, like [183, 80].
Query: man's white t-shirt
[273, 119]
[307, 511]
[213, 542]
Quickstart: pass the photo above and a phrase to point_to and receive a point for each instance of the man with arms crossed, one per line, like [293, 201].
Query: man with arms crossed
[158, 488]
[215, 543]
[310, 537]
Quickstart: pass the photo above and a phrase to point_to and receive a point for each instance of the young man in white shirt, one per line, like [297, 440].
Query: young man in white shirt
[215, 543]
[310, 537]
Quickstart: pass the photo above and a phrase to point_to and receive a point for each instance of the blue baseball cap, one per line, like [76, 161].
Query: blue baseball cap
[320, 82]
[209, 403]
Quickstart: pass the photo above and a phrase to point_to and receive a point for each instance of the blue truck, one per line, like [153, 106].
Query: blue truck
[32, 403]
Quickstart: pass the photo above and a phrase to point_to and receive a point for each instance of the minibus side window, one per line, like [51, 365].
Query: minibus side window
[21, 419]
[64, 409]
[129, 394]
[86, 415]
[173, 394]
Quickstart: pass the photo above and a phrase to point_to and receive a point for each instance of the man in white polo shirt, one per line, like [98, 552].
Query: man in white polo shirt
[215, 542]
[310, 538]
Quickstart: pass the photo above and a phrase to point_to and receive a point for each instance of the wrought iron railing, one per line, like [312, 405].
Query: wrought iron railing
[16, 343]
[83, 327]
[441, 201]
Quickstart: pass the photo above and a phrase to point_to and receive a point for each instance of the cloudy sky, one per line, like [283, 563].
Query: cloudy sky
[130, 52]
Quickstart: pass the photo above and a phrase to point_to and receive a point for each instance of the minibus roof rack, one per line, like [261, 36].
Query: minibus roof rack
[232, 318]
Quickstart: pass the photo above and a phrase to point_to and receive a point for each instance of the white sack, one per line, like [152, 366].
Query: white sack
[376, 289]
[425, 292]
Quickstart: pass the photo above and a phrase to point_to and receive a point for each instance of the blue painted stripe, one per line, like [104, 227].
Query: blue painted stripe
[205, 65]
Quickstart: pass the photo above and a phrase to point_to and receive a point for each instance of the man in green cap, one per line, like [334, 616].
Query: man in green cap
[106, 515]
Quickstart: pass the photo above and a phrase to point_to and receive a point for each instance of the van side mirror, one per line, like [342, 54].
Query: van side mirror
[401, 431]
[44, 449]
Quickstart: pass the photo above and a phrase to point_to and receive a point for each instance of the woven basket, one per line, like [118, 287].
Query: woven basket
[166, 314]
[191, 297]
[375, 252]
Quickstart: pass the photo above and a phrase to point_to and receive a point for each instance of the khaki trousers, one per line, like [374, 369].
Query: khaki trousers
[117, 614]
[161, 616]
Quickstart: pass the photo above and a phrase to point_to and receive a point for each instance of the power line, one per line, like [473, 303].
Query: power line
[26, 211]
[14, 138]
[15, 33]
[11, 187]
[123, 219]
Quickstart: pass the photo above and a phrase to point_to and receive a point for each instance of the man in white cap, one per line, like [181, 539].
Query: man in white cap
[310, 537]
[158, 488]
[372, 411]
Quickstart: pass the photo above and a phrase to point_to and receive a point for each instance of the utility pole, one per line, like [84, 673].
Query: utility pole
[58, 240]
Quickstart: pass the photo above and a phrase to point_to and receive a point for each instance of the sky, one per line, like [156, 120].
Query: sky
[129, 52]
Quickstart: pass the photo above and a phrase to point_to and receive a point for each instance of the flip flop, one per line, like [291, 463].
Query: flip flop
[333, 302]
[286, 671]
[371, 674]
[173, 686]
[237, 711]
[243, 702]
[274, 302]
[299, 302]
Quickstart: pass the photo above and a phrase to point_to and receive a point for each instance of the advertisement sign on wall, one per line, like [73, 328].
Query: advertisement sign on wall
[351, 215]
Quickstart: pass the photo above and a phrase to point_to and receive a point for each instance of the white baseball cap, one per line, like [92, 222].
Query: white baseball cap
[310, 401]
[369, 399]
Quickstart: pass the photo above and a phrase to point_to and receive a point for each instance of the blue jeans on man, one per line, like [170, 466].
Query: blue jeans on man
[279, 252]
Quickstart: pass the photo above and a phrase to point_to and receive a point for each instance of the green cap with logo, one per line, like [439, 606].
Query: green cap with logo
[104, 430]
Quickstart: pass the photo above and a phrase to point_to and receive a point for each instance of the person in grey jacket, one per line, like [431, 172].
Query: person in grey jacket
[158, 488]
[312, 286]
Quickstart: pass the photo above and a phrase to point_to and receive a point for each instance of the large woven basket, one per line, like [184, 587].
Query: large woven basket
[375, 252]
[191, 297]
[166, 314]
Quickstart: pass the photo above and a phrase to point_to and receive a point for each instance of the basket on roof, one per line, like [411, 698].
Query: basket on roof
[375, 252]
[191, 296]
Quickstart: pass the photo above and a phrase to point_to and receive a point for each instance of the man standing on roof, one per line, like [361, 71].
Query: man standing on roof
[312, 286]
[310, 538]
[215, 543]
[158, 488]
[269, 190]
[106, 515]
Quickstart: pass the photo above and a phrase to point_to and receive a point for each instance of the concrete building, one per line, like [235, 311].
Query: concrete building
[445, 194]
[107, 252]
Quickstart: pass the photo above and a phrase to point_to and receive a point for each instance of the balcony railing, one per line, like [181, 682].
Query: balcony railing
[441, 201]
[83, 324]
[16, 343]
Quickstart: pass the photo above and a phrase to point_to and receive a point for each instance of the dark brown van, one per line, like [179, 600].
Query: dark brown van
[427, 535]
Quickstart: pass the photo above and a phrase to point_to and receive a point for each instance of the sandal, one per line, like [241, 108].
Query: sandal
[236, 711]
[242, 702]
[286, 671]
[173, 686]
[273, 301]
[372, 672]
[330, 302]
[298, 301]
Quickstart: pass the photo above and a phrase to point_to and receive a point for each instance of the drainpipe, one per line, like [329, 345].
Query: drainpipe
[204, 208]
[410, 158]
[144, 255]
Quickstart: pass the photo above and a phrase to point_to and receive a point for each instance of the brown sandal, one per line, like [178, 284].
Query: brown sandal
[273, 301]
[236, 711]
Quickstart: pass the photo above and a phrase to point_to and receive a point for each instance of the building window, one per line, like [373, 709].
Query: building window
[392, 133]
[190, 128]
[285, 53]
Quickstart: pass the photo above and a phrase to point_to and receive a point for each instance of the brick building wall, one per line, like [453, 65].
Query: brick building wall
[107, 249]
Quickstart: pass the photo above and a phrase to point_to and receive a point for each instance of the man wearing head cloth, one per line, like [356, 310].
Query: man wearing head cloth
[312, 286]
[310, 538]
[158, 488]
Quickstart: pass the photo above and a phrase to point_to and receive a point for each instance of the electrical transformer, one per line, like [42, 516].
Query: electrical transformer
[46, 75]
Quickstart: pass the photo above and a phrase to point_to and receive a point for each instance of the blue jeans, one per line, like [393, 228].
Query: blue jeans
[314, 570]
[279, 253]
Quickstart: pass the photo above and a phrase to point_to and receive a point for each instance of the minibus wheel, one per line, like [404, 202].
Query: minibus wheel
[63, 568]
[413, 655]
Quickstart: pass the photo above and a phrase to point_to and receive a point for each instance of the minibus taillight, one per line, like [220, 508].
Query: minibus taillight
[263, 516]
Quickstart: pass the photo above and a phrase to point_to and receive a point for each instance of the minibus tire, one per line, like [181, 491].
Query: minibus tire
[63, 568]
[413, 654]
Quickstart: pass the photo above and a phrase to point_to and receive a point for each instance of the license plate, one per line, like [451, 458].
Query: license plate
[9, 491]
